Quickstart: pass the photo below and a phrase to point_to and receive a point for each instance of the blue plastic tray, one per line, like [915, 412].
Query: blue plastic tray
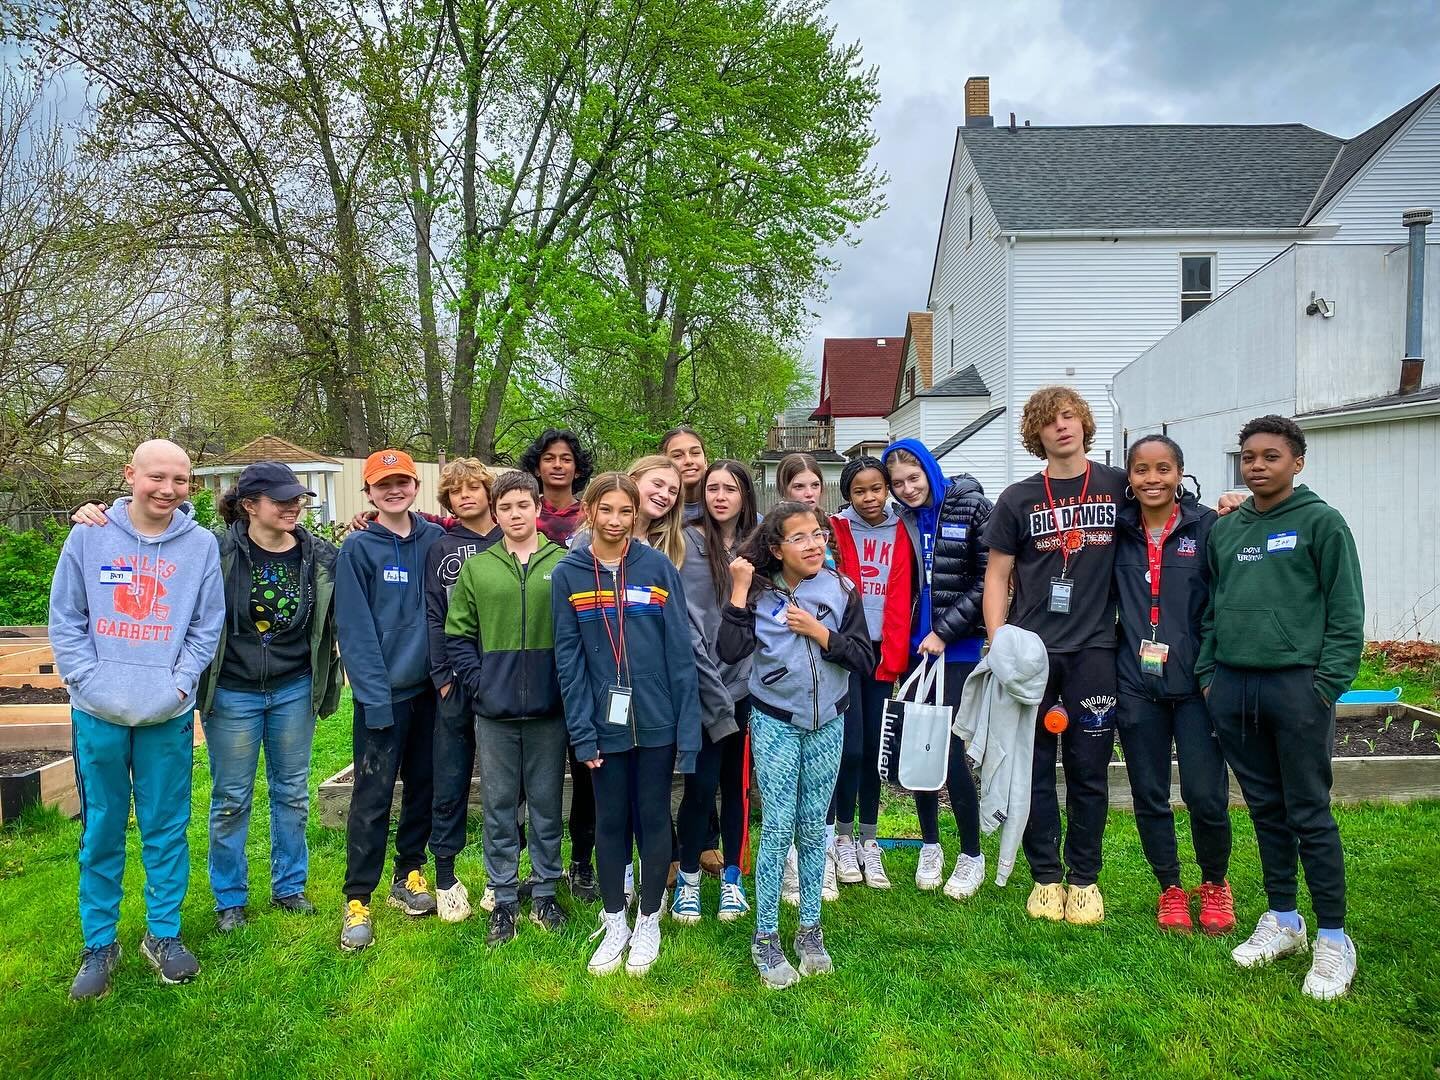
[1369, 697]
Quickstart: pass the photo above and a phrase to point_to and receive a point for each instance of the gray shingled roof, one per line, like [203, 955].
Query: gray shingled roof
[964, 383]
[964, 433]
[1169, 176]
[1361, 149]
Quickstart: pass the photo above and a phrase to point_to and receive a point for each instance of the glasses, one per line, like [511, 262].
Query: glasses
[300, 502]
[819, 536]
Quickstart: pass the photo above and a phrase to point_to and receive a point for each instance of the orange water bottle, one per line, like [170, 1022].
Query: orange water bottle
[1056, 719]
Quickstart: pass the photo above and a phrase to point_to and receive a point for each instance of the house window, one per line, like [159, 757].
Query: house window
[910, 383]
[1232, 471]
[970, 214]
[1197, 283]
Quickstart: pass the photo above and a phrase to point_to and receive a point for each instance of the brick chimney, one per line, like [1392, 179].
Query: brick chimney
[977, 102]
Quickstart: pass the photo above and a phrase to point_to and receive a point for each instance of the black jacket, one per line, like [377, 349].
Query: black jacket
[957, 578]
[1184, 593]
[442, 570]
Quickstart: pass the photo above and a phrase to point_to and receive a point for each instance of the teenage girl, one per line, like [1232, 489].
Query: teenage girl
[944, 520]
[627, 674]
[1162, 582]
[804, 626]
[684, 446]
[874, 552]
[729, 516]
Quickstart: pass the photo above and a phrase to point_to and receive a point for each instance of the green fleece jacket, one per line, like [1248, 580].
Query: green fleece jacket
[1285, 592]
[500, 633]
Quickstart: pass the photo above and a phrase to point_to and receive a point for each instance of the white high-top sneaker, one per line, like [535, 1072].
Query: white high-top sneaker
[610, 954]
[847, 860]
[872, 862]
[830, 885]
[790, 880]
[932, 866]
[644, 944]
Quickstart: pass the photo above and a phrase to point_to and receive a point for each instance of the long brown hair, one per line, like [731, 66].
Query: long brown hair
[666, 534]
[715, 554]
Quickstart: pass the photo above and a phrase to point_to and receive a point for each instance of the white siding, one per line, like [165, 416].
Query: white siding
[850, 430]
[1083, 309]
[1381, 477]
[970, 280]
[982, 456]
[1404, 174]
[905, 422]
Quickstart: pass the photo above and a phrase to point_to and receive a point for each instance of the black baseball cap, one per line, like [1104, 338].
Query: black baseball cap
[272, 478]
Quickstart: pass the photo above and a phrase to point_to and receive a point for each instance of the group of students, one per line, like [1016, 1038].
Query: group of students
[650, 624]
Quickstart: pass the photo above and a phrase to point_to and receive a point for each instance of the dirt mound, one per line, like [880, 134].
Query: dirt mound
[33, 695]
[1403, 654]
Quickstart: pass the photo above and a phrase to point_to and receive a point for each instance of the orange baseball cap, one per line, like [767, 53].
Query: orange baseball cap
[385, 463]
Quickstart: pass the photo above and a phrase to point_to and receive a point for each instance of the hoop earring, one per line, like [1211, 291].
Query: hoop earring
[1128, 493]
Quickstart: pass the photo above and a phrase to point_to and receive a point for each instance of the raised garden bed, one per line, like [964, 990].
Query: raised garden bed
[35, 776]
[32, 716]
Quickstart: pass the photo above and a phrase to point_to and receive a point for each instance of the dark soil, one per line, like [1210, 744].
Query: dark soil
[5, 632]
[33, 695]
[20, 762]
[1368, 736]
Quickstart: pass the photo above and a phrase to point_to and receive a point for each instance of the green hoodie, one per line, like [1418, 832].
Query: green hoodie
[1286, 592]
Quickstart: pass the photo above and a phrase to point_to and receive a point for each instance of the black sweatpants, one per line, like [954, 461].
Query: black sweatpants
[1147, 731]
[582, 812]
[1084, 682]
[859, 781]
[1277, 734]
[454, 766]
[638, 778]
[405, 749]
[959, 784]
[718, 767]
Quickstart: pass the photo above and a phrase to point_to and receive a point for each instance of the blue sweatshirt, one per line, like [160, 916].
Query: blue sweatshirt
[380, 615]
[659, 657]
[134, 620]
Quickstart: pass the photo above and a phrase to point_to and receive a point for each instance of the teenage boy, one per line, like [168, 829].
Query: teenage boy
[562, 468]
[1282, 640]
[465, 487]
[135, 617]
[380, 616]
[1054, 532]
[502, 646]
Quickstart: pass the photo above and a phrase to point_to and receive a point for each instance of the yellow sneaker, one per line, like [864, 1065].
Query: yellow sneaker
[356, 933]
[1084, 906]
[1047, 902]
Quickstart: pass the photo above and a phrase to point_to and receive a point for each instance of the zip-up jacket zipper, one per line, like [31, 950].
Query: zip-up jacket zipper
[524, 640]
[814, 668]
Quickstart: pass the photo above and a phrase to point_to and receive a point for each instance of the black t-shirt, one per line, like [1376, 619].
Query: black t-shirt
[277, 591]
[1021, 525]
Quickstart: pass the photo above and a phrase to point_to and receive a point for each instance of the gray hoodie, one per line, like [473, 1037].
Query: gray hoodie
[135, 620]
[875, 545]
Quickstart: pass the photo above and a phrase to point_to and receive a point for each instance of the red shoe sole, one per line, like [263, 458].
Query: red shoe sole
[1218, 931]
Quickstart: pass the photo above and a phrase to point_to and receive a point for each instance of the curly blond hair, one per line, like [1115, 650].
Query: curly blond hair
[462, 471]
[1042, 408]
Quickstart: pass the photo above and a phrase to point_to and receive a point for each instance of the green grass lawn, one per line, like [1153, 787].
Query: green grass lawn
[924, 986]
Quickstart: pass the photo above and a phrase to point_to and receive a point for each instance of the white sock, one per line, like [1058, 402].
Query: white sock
[630, 878]
[829, 837]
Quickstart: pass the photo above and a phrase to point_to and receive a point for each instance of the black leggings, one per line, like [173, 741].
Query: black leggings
[859, 779]
[959, 784]
[719, 766]
[582, 811]
[640, 777]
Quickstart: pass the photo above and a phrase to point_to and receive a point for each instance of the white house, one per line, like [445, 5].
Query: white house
[1066, 252]
[1322, 333]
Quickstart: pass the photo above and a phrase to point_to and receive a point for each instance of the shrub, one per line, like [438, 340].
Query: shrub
[27, 563]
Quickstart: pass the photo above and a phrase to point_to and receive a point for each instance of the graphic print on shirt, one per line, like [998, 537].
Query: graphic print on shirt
[639, 600]
[139, 600]
[1094, 519]
[275, 592]
[449, 569]
[875, 558]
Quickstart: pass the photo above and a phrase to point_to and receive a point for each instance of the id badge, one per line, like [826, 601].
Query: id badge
[1060, 595]
[1153, 655]
[617, 708]
[396, 575]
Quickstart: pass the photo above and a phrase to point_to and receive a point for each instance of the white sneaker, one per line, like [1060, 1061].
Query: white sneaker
[1332, 970]
[453, 904]
[931, 868]
[872, 862]
[611, 952]
[1270, 941]
[847, 860]
[487, 900]
[790, 881]
[644, 945]
[830, 885]
[967, 877]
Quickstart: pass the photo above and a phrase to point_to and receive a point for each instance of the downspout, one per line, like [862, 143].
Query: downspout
[1413, 364]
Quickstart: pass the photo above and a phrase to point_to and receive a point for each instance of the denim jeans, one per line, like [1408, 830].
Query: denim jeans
[238, 724]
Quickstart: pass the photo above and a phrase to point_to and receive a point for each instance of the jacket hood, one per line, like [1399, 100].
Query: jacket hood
[1019, 661]
[579, 554]
[1302, 498]
[859, 524]
[933, 473]
[181, 521]
[376, 531]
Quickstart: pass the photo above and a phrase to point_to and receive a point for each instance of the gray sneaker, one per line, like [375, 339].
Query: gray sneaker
[96, 966]
[771, 962]
[810, 948]
[412, 895]
[356, 932]
[172, 961]
[230, 919]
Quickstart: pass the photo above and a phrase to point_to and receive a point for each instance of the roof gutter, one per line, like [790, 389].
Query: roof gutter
[1375, 414]
[1308, 232]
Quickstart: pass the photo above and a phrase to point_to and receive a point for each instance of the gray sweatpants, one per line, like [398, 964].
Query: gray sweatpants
[518, 755]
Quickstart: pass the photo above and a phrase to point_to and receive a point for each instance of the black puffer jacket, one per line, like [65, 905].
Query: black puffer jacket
[957, 577]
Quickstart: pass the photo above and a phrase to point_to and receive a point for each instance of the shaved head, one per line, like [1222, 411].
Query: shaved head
[159, 452]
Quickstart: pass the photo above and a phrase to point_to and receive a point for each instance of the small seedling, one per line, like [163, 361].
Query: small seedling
[1386, 726]
[1370, 745]
[1414, 730]
[1346, 740]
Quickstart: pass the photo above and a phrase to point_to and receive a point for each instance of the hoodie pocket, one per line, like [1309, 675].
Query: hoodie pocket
[406, 652]
[1252, 634]
[134, 695]
[770, 678]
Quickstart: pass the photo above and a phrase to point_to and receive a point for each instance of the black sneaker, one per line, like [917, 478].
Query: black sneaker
[412, 895]
[96, 966]
[230, 919]
[502, 924]
[296, 905]
[170, 958]
[582, 883]
[547, 913]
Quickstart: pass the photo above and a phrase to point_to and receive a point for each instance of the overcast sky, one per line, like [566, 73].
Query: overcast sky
[1337, 66]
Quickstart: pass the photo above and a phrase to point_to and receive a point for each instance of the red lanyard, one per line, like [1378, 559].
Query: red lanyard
[617, 647]
[1155, 550]
[1071, 540]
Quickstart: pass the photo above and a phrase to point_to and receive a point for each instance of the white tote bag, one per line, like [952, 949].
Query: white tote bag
[916, 730]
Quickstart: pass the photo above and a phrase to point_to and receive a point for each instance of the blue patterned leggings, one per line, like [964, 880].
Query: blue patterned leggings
[796, 770]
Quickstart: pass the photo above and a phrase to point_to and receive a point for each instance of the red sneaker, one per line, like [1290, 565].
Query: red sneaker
[1217, 908]
[1173, 911]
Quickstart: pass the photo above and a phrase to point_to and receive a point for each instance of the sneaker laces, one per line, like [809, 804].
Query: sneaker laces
[415, 882]
[647, 930]
[1174, 902]
[1266, 931]
[689, 893]
[166, 948]
[355, 913]
[1328, 959]
[95, 955]
[609, 921]
[874, 861]
[732, 895]
[1216, 896]
[931, 859]
[810, 939]
[769, 952]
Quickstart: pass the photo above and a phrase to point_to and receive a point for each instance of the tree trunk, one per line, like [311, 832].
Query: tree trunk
[435, 410]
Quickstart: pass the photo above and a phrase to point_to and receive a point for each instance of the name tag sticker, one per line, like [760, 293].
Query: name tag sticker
[1285, 541]
[116, 575]
[777, 613]
[617, 708]
[635, 594]
[396, 575]
[954, 532]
